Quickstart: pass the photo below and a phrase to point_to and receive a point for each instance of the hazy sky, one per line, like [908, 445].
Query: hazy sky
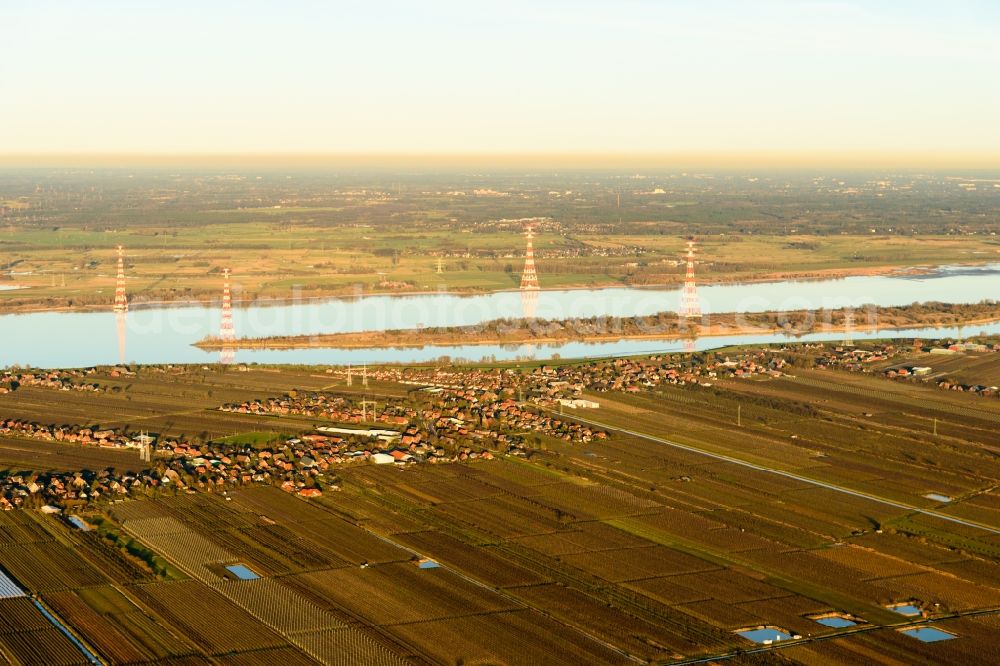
[135, 76]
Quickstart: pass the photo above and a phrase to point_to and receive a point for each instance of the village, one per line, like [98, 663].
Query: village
[547, 385]
[449, 414]
[63, 380]
[304, 465]
[898, 362]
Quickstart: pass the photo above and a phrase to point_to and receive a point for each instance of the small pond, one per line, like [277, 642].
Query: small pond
[909, 610]
[765, 635]
[929, 634]
[242, 572]
[836, 622]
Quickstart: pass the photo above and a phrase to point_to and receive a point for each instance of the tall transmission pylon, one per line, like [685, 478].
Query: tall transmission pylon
[145, 447]
[529, 278]
[121, 300]
[350, 377]
[364, 375]
[690, 305]
[440, 266]
[364, 410]
[226, 330]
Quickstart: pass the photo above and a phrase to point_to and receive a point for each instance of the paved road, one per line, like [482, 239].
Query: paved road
[791, 475]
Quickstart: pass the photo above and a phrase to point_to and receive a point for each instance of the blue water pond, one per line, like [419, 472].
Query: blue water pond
[763, 635]
[242, 572]
[929, 634]
[908, 610]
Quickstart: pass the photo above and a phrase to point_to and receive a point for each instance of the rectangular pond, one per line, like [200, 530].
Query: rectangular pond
[909, 610]
[765, 635]
[242, 572]
[929, 634]
[836, 622]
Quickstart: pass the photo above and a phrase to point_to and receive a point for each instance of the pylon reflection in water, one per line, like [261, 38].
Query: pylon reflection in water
[120, 326]
[529, 303]
[227, 332]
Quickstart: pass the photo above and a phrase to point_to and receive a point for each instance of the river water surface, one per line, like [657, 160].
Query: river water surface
[165, 335]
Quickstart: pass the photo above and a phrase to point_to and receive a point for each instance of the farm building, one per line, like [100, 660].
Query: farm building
[579, 403]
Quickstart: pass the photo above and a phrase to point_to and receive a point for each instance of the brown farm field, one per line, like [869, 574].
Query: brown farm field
[654, 545]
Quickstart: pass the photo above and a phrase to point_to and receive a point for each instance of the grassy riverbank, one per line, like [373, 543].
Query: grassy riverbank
[185, 268]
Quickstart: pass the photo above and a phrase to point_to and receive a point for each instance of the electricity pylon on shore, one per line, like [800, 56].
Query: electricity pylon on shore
[121, 300]
[227, 332]
[690, 305]
[529, 278]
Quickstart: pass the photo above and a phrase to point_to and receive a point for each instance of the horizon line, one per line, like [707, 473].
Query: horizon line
[581, 159]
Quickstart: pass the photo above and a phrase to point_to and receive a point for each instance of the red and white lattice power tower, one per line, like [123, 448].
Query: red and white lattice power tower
[529, 278]
[226, 330]
[121, 301]
[690, 305]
